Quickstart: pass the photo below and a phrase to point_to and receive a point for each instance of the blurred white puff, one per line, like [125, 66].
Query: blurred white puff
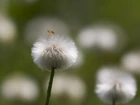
[87, 37]
[71, 86]
[131, 61]
[76, 89]
[7, 30]
[19, 87]
[40, 26]
[113, 84]
[54, 51]
[107, 37]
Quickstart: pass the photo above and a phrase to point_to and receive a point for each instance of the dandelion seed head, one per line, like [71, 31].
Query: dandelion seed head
[54, 51]
[7, 30]
[131, 61]
[115, 84]
[19, 87]
[102, 36]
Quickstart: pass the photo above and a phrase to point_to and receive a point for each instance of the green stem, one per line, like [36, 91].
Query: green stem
[50, 86]
[113, 101]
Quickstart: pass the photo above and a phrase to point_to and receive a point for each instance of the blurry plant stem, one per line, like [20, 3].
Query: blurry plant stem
[50, 86]
[113, 101]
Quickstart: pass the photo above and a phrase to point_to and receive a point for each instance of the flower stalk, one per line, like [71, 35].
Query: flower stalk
[50, 86]
[113, 101]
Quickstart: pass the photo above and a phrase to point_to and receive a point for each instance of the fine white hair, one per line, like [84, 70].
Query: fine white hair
[54, 51]
[113, 84]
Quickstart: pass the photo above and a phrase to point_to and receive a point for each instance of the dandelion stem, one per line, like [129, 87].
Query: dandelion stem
[113, 101]
[50, 86]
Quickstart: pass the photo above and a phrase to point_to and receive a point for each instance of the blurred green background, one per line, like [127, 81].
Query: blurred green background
[17, 23]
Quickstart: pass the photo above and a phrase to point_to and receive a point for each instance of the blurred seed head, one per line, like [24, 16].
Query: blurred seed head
[131, 61]
[68, 86]
[19, 87]
[115, 84]
[40, 26]
[106, 37]
[87, 37]
[7, 30]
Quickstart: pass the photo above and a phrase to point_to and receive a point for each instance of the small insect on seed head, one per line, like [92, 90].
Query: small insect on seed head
[51, 32]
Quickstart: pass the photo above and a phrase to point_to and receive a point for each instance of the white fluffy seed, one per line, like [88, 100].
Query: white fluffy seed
[54, 51]
[115, 84]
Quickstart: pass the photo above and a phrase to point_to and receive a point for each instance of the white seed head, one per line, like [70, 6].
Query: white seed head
[87, 37]
[115, 84]
[19, 87]
[7, 30]
[107, 38]
[54, 51]
[131, 61]
[102, 36]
